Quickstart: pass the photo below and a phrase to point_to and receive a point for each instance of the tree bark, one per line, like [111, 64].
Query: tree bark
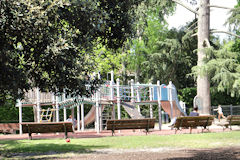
[203, 85]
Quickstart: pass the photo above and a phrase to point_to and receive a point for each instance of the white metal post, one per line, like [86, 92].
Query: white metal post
[64, 108]
[132, 91]
[97, 112]
[159, 105]
[57, 109]
[138, 97]
[112, 76]
[118, 99]
[170, 98]
[53, 107]
[19, 104]
[100, 118]
[112, 97]
[151, 99]
[38, 105]
[78, 117]
[82, 116]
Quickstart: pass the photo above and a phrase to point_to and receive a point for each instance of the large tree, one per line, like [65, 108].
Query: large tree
[48, 43]
[203, 84]
[223, 65]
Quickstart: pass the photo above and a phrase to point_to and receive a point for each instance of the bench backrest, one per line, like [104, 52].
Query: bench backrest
[9, 127]
[46, 127]
[146, 123]
[234, 119]
[198, 121]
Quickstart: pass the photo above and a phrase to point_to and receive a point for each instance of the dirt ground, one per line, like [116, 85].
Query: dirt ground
[141, 154]
[156, 154]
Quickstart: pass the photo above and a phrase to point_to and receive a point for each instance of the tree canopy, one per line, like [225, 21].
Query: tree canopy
[49, 43]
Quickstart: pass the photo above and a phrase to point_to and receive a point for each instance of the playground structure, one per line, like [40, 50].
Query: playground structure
[108, 95]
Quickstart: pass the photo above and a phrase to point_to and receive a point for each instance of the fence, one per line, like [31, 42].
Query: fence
[227, 110]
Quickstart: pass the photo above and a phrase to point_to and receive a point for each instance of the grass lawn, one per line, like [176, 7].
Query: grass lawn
[87, 145]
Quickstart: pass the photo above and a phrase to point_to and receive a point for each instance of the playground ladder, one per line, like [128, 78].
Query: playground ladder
[46, 115]
[105, 116]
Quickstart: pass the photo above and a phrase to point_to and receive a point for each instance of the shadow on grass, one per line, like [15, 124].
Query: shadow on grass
[24, 149]
[202, 154]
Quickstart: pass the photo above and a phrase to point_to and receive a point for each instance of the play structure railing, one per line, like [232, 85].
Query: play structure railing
[133, 93]
[34, 95]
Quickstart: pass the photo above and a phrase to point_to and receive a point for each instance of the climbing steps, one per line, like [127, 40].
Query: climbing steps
[106, 114]
[46, 115]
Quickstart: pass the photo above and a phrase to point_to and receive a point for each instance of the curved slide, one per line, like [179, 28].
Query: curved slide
[177, 110]
[173, 109]
[90, 117]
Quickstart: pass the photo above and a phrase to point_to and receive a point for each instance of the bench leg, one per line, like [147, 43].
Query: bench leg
[176, 131]
[66, 135]
[146, 131]
[190, 130]
[29, 135]
[112, 132]
[65, 132]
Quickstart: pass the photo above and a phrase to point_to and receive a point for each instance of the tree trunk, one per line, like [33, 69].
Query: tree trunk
[203, 85]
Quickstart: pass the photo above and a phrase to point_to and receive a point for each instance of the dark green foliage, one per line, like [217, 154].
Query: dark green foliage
[187, 95]
[171, 59]
[9, 113]
[48, 44]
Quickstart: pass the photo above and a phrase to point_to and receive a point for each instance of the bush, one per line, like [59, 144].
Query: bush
[10, 113]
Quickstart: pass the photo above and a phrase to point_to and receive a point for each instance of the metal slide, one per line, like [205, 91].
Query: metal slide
[177, 110]
[132, 111]
[90, 117]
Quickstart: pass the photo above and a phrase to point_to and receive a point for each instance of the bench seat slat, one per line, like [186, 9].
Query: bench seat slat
[46, 127]
[192, 122]
[147, 123]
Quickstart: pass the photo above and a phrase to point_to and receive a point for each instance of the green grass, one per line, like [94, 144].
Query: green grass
[87, 145]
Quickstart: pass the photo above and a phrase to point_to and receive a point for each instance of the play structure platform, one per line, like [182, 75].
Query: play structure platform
[108, 96]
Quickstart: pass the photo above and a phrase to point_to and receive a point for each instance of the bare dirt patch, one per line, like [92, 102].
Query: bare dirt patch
[142, 154]
[157, 154]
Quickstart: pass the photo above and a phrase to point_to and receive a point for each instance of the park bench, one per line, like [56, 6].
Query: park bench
[193, 122]
[230, 121]
[46, 127]
[9, 127]
[123, 124]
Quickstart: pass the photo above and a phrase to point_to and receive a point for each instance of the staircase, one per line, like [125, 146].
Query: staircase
[106, 114]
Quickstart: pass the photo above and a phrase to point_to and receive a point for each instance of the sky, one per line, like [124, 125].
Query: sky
[217, 16]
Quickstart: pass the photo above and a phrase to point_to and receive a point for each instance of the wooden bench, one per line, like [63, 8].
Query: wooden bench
[122, 124]
[193, 122]
[231, 120]
[9, 127]
[46, 127]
